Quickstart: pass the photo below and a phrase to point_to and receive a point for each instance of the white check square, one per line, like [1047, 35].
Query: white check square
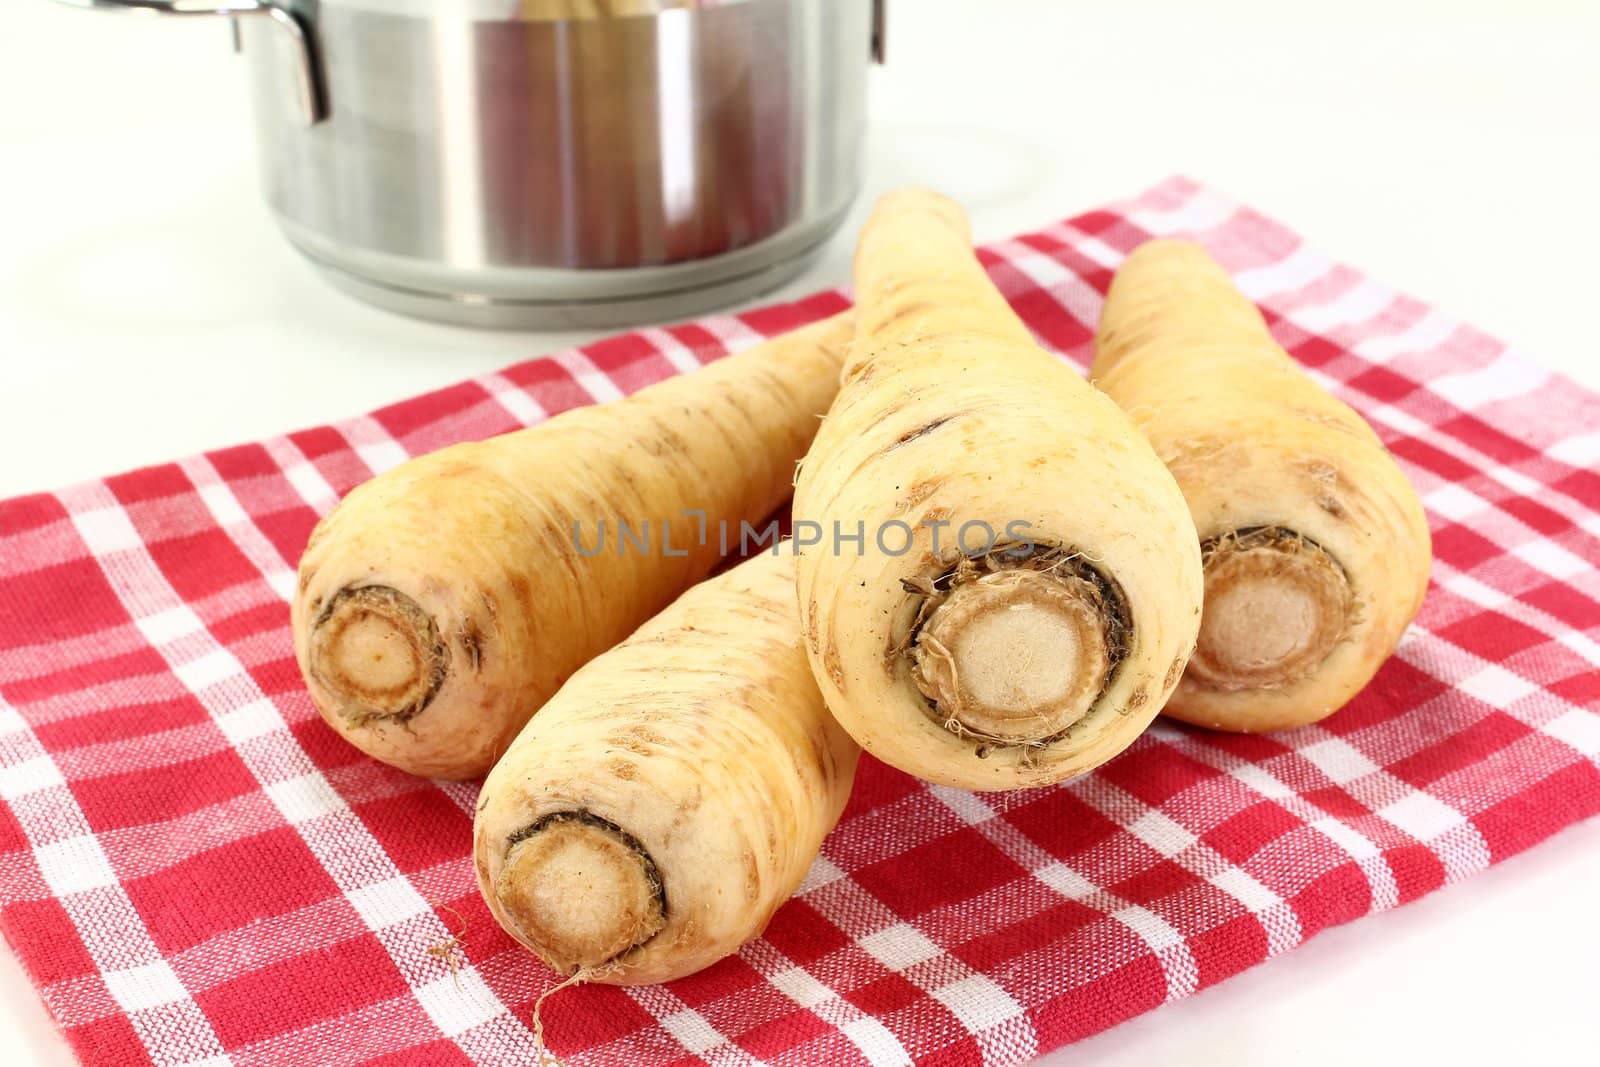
[11, 720]
[876, 1042]
[1237, 883]
[29, 776]
[978, 1002]
[1454, 502]
[1297, 270]
[1352, 841]
[385, 903]
[1580, 451]
[381, 455]
[74, 865]
[968, 806]
[1339, 760]
[1203, 210]
[1508, 376]
[1498, 687]
[800, 986]
[222, 504]
[311, 485]
[1161, 833]
[522, 407]
[1516, 480]
[1578, 728]
[205, 671]
[1066, 881]
[822, 872]
[1427, 333]
[692, 1031]
[899, 946]
[1354, 305]
[167, 626]
[1469, 588]
[148, 986]
[305, 798]
[1152, 928]
[255, 719]
[458, 1002]
[1550, 558]
[1582, 645]
[107, 530]
[1423, 816]
[282, 582]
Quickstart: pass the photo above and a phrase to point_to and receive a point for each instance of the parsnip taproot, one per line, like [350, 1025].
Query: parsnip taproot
[443, 601]
[1014, 653]
[652, 817]
[1316, 548]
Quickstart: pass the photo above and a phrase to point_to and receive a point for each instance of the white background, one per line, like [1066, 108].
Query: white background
[148, 310]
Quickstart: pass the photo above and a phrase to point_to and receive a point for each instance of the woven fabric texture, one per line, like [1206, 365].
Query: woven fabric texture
[195, 870]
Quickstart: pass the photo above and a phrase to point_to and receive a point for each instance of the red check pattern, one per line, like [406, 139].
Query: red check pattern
[196, 871]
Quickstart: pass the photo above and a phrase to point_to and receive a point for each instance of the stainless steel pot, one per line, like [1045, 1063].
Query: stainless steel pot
[546, 163]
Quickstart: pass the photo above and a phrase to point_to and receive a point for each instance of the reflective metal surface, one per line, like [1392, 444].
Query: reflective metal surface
[555, 162]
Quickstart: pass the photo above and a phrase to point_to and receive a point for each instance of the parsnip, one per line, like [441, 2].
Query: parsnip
[442, 602]
[672, 795]
[1316, 548]
[1014, 663]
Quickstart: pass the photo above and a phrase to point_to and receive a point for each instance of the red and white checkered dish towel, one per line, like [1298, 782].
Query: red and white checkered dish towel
[194, 869]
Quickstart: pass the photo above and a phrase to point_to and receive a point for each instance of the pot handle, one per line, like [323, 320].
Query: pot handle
[880, 27]
[308, 87]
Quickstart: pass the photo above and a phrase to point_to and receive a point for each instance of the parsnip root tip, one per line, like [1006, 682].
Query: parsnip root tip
[580, 891]
[1275, 605]
[1016, 655]
[378, 654]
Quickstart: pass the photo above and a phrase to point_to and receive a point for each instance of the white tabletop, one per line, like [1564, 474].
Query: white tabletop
[148, 310]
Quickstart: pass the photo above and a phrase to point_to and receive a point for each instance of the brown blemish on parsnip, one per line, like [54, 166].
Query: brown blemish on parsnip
[860, 373]
[472, 644]
[647, 734]
[752, 878]
[922, 431]
[919, 492]
[831, 660]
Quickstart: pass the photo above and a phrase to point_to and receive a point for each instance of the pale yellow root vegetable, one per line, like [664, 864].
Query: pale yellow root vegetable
[1316, 548]
[970, 663]
[442, 602]
[660, 808]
